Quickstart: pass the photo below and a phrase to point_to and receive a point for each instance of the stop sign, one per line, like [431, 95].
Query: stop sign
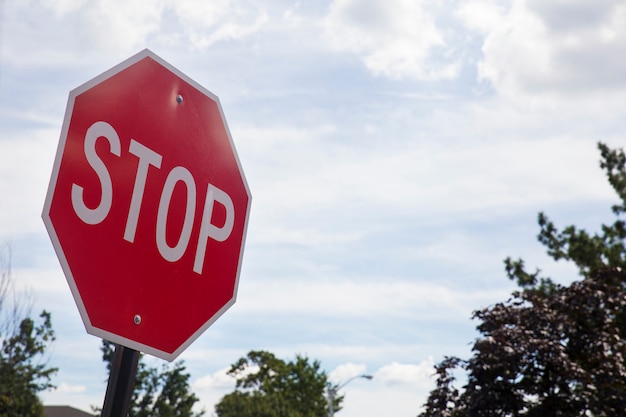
[147, 206]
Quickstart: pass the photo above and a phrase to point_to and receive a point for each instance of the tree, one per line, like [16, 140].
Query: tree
[24, 341]
[267, 386]
[163, 392]
[551, 349]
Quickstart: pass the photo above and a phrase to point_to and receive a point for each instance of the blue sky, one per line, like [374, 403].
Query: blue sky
[397, 151]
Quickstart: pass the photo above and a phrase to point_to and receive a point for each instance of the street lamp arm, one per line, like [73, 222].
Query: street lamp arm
[332, 392]
[369, 377]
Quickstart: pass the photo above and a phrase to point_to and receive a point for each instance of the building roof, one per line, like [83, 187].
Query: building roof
[64, 411]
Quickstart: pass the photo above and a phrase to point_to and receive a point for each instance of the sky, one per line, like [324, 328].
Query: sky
[396, 151]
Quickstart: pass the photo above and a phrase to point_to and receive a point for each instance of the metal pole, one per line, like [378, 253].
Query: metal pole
[121, 382]
[331, 401]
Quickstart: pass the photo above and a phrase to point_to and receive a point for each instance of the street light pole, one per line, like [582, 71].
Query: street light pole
[332, 392]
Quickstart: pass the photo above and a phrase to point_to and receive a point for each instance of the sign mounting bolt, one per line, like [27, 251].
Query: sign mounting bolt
[179, 99]
[137, 319]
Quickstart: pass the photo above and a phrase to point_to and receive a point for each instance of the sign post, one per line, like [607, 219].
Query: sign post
[121, 382]
[147, 208]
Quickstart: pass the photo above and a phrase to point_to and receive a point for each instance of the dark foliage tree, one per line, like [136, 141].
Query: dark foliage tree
[158, 392]
[551, 350]
[24, 371]
[267, 386]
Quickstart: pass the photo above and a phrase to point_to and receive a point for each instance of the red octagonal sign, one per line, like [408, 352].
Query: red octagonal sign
[147, 206]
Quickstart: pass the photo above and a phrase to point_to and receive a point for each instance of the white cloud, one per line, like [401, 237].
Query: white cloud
[79, 32]
[346, 371]
[397, 373]
[567, 15]
[382, 297]
[481, 15]
[77, 395]
[421, 180]
[217, 380]
[394, 38]
[27, 159]
[120, 25]
[62, 7]
[118, 28]
[64, 388]
[551, 46]
[208, 22]
[198, 13]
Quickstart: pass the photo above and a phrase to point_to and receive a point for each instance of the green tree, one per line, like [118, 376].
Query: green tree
[267, 386]
[158, 392]
[551, 350]
[24, 371]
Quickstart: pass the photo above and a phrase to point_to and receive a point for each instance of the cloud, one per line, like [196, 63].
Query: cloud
[120, 25]
[376, 298]
[551, 46]
[63, 7]
[568, 15]
[346, 371]
[105, 28]
[481, 15]
[26, 158]
[208, 22]
[397, 373]
[219, 380]
[394, 38]
[64, 388]
[528, 46]
[364, 189]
